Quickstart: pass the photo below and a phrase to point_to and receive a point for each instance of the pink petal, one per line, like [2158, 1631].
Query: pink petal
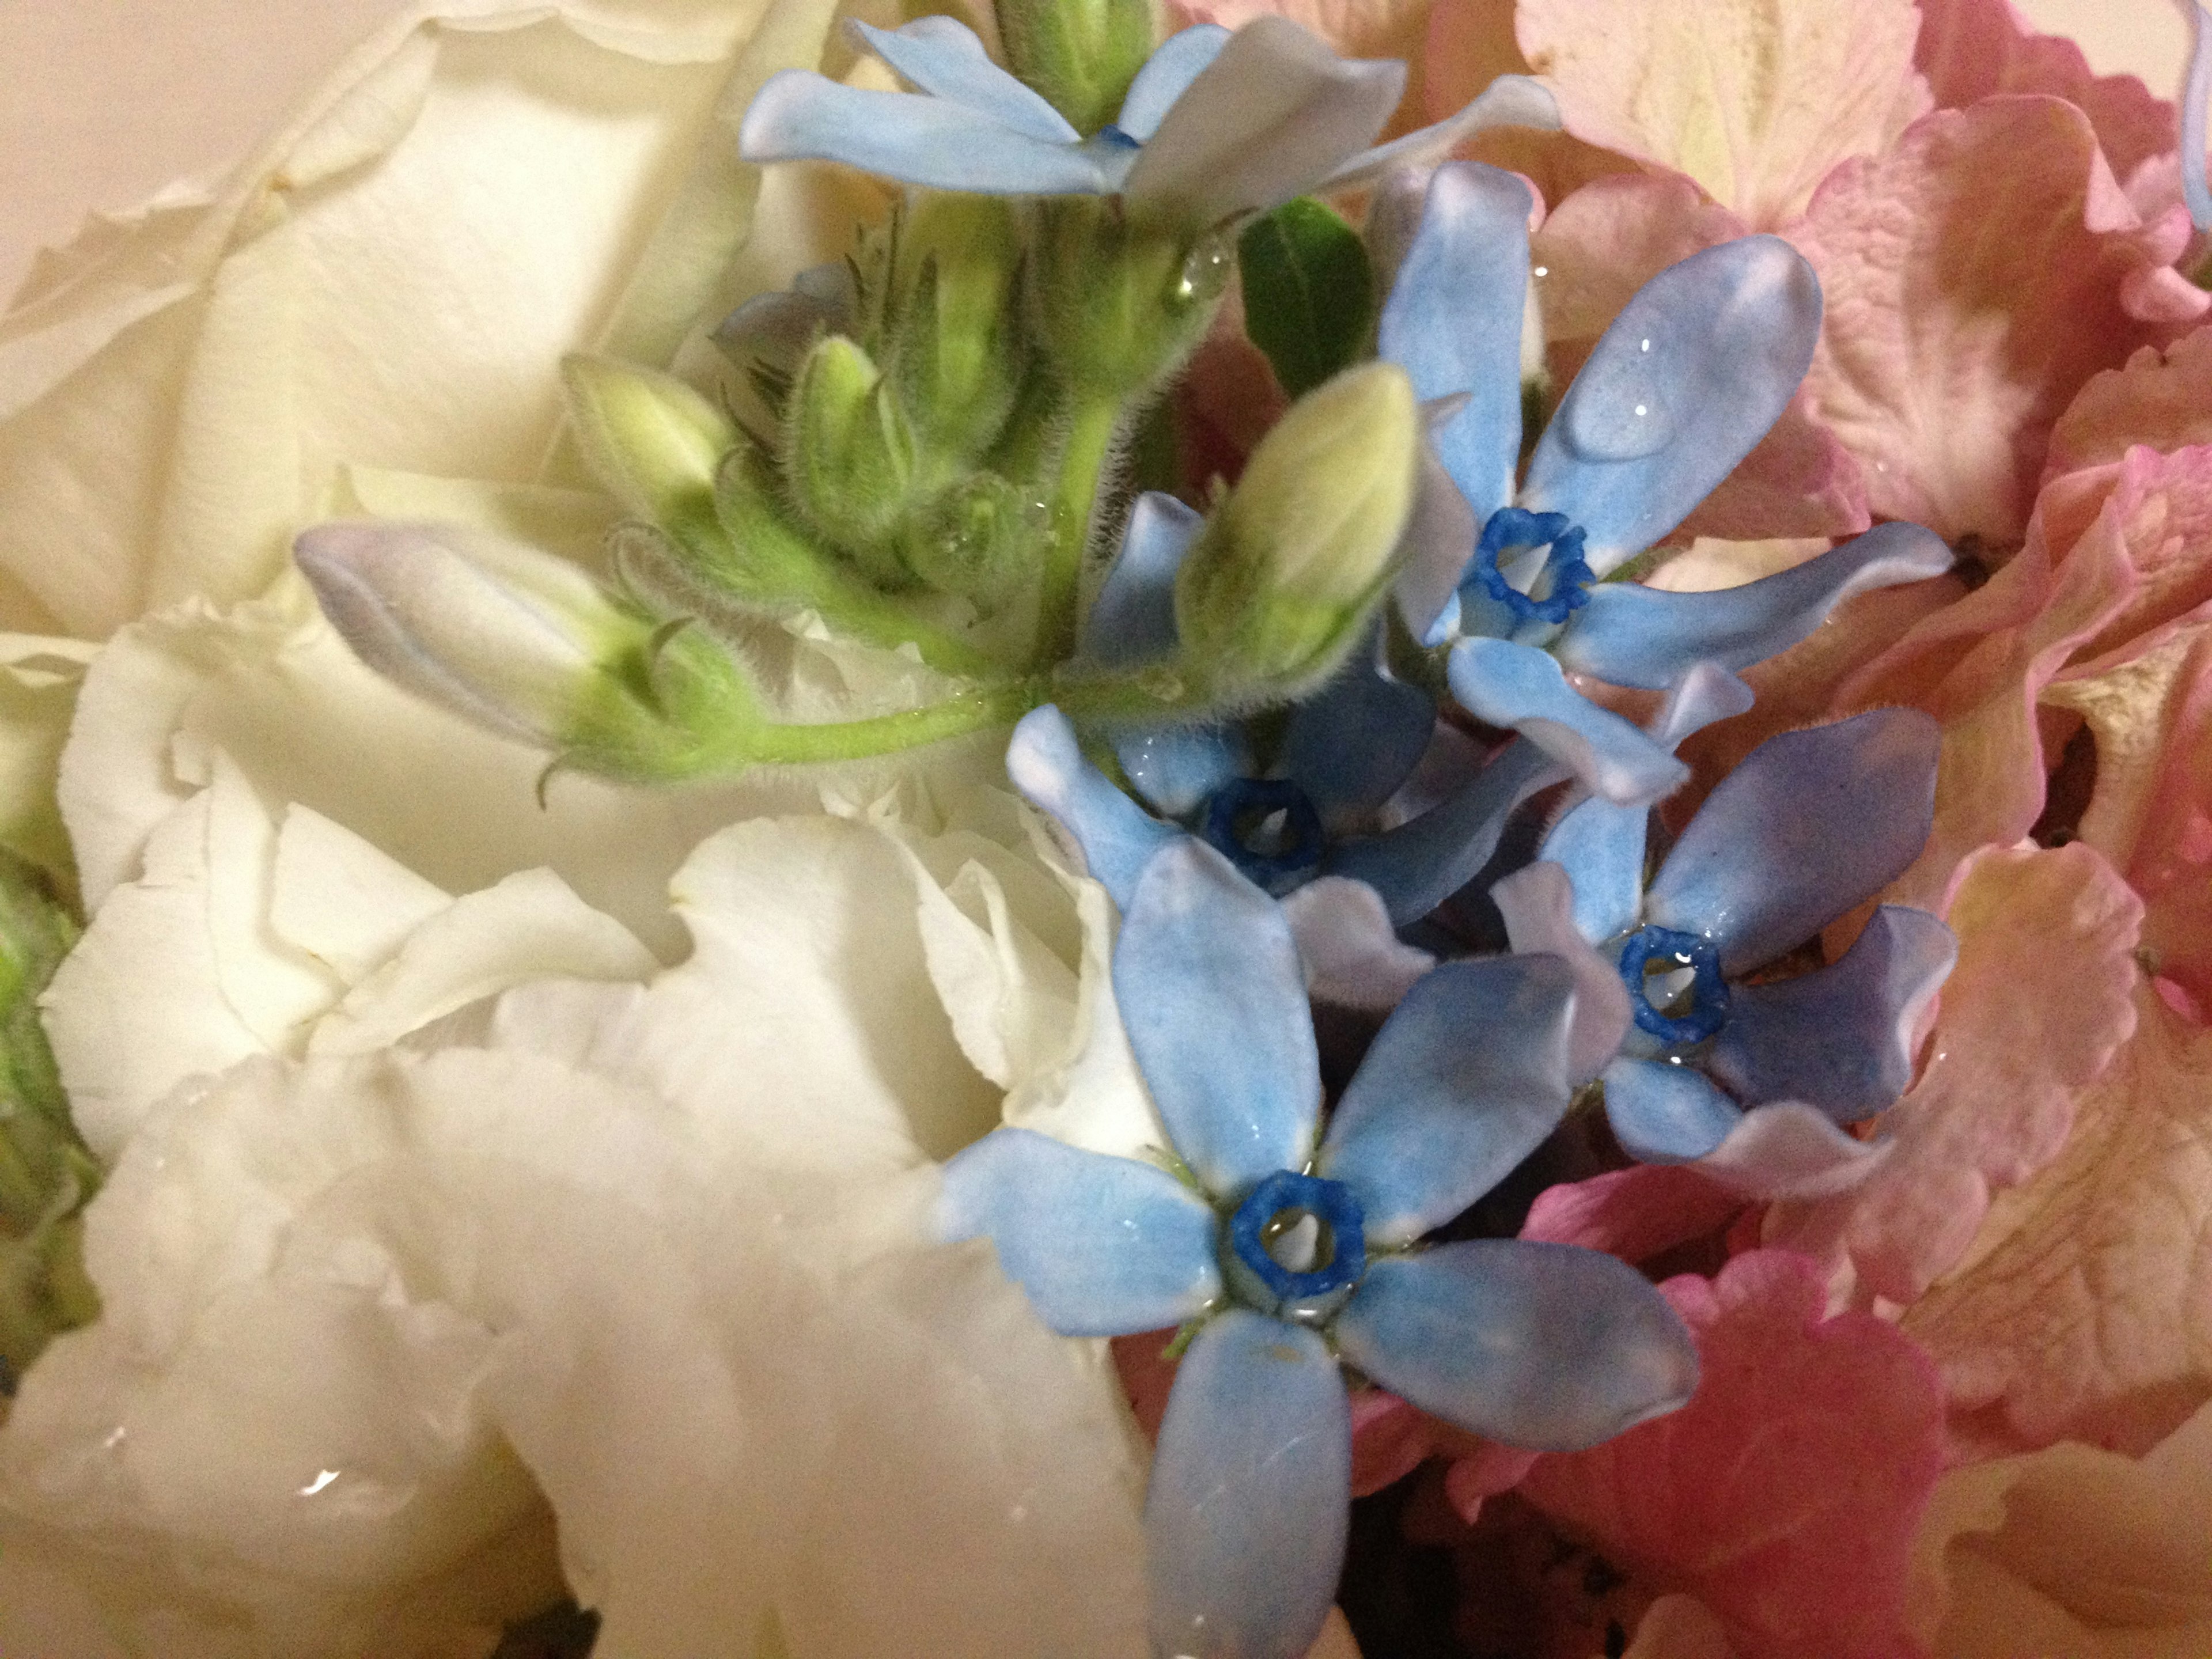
[1353, 29]
[1784, 1496]
[1970, 49]
[1634, 1213]
[2161, 399]
[2039, 932]
[1972, 279]
[1755, 100]
[2085, 1315]
[1470, 44]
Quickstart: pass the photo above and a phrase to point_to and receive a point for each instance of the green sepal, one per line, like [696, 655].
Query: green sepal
[957, 363]
[1079, 55]
[1120, 300]
[1309, 292]
[849, 454]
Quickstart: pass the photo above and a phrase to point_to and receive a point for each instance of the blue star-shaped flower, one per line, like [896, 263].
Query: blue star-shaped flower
[1214, 124]
[1295, 1246]
[1692, 373]
[1756, 1079]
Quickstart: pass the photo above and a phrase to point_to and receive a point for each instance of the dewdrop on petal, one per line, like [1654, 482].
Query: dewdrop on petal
[1289, 565]
[526, 645]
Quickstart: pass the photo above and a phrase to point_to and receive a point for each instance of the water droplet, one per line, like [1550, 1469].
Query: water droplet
[1618, 408]
[320, 1481]
[1540, 271]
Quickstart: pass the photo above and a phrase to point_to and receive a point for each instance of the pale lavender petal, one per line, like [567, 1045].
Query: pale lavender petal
[1251, 1493]
[1214, 1000]
[944, 58]
[1841, 1038]
[1269, 117]
[1101, 1246]
[1547, 1346]
[1521, 687]
[1690, 376]
[1510, 100]
[1704, 695]
[1353, 957]
[1418, 866]
[1439, 539]
[2196, 93]
[1666, 1113]
[800, 116]
[1132, 619]
[1118, 837]
[1538, 904]
[1452, 323]
[1166, 76]
[1788, 1150]
[1811, 823]
[1630, 634]
[1467, 1077]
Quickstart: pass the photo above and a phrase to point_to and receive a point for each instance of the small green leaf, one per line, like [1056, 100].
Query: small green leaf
[1309, 292]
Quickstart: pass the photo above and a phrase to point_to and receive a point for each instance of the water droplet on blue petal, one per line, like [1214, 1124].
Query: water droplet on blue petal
[1620, 411]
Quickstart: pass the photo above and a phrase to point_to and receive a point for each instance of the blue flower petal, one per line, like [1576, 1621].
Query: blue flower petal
[1245, 1519]
[1521, 687]
[1454, 318]
[1177, 768]
[1542, 1345]
[1418, 866]
[1601, 845]
[1839, 1039]
[1812, 822]
[945, 60]
[1272, 113]
[1663, 1113]
[1214, 1000]
[1469, 1072]
[1166, 76]
[1132, 619]
[1101, 1246]
[2196, 92]
[1510, 100]
[1118, 836]
[1631, 634]
[1351, 744]
[1697, 367]
[1439, 539]
[801, 115]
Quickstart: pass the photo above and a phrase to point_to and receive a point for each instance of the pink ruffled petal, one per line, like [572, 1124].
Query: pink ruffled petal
[1755, 100]
[2039, 932]
[1972, 279]
[1970, 49]
[1634, 1213]
[2163, 400]
[1784, 1496]
[2085, 1315]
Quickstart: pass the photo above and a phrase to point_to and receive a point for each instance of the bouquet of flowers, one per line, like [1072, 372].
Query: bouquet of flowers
[1058, 829]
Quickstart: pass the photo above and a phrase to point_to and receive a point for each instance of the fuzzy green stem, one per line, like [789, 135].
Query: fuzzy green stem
[840, 740]
[1094, 427]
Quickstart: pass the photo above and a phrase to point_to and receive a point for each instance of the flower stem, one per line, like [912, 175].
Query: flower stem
[1094, 426]
[838, 740]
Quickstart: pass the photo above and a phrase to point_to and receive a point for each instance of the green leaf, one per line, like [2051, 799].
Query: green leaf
[1309, 292]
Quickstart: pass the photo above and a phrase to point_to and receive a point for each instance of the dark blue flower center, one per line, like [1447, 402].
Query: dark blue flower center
[1267, 828]
[1674, 985]
[1300, 1236]
[1556, 589]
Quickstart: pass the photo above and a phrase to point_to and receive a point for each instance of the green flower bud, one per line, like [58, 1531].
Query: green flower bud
[978, 540]
[848, 454]
[1080, 55]
[526, 645]
[957, 363]
[1290, 566]
[1121, 301]
[653, 442]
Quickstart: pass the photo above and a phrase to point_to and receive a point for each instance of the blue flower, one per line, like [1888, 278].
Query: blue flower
[1294, 1247]
[1214, 125]
[1690, 374]
[1754, 1079]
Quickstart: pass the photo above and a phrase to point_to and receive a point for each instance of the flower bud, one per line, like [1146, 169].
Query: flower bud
[958, 363]
[1080, 55]
[526, 645]
[1288, 568]
[848, 454]
[652, 440]
[976, 540]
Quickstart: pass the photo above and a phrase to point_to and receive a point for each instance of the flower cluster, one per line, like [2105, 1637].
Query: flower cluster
[1133, 823]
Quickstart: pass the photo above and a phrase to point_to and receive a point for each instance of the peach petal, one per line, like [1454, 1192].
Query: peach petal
[2163, 400]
